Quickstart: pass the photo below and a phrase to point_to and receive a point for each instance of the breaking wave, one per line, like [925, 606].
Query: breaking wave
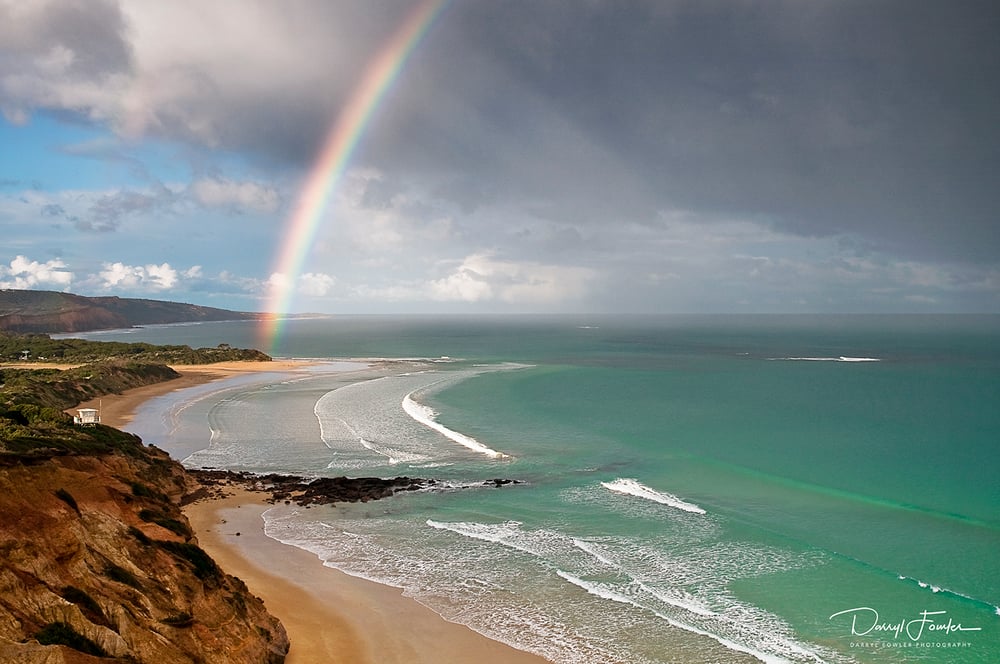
[625, 572]
[827, 359]
[426, 416]
[938, 589]
[636, 488]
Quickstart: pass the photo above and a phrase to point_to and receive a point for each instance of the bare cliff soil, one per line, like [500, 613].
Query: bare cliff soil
[98, 564]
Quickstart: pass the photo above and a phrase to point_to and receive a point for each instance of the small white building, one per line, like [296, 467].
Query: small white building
[87, 417]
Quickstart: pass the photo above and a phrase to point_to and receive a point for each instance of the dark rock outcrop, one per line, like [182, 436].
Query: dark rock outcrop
[324, 490]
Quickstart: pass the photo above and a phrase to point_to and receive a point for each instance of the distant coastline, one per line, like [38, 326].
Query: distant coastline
[29, 311]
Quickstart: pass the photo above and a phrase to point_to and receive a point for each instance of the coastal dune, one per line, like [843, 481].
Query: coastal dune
[329, 616]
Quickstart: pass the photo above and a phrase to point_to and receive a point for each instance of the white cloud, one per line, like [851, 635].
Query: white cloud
[61, 55]
[481, 278]
[24, 273]
[230, 283]
[181, 68]
[314, 284]
[310, 284]
[245, 195]
[466, 284]
[138, 277]
[277, 281]
[162, 276]
[394, 293]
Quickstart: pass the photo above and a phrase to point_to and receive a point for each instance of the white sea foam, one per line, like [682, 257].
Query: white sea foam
[738, 627]
[938, 589]
[479, 583]
[679, 600]
[394, 456]
[635, 488]
[366, 423]
[590, 549]
[508, 533]
[602, 591]
[841, 358]
[435, 464]
[358, 425]
[426, 416]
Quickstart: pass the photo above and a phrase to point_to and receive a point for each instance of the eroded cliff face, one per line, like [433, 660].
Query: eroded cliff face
[96, 560]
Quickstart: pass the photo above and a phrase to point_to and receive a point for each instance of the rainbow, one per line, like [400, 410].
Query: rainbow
[332, 162]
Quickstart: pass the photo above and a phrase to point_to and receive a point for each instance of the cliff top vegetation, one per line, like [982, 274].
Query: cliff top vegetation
[32, 401]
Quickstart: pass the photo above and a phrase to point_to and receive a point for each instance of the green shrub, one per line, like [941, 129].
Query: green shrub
[82, 350]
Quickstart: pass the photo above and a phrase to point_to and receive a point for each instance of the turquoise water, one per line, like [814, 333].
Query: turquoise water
[697, 489]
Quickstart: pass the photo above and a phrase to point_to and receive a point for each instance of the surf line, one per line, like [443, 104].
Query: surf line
[426, 416]
[329, 168]
[636, 488]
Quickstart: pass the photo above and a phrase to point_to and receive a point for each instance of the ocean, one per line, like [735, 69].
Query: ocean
[694, 488]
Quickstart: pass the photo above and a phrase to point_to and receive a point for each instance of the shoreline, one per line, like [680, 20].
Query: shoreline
[117, 410]
[329, 615]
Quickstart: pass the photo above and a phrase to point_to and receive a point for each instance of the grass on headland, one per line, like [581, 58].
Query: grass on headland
[32, 401]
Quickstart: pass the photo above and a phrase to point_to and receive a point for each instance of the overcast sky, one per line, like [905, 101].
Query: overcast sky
[533, 155]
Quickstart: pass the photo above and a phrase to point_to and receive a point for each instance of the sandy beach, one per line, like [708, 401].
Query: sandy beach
[330, 616]
[117, 410]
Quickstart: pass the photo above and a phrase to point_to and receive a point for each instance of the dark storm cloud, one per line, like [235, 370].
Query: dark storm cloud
[53, 54]
[293, 70]
[91, 34]
[93, 31]
[821, 118]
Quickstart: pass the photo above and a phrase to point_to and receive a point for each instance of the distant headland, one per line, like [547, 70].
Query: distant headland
[27, 311]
